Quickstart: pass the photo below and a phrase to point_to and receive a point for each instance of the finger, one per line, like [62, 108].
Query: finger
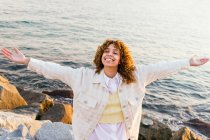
[16, 50]
[6, 50]
[8, 56]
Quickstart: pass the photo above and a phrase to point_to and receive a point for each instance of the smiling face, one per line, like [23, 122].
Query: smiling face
[111, 56]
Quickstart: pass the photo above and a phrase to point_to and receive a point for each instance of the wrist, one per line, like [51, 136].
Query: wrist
[26, 61]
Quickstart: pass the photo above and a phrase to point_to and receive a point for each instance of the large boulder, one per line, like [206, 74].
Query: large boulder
[59, 113]
[34, 98]
[9, 95]
[152, 129]
[55, 131]
[185, 134]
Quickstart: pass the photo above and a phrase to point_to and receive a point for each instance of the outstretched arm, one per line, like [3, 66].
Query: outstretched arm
[162, 69]
[15, 56]
[50, 70]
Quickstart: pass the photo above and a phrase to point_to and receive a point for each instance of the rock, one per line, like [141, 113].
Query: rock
[3, 131]
[20, 133]
[55, 131]
[152, 129]
[62, 93]
[31, 111]
[200, 126]
[147, 121]
[11, 121]
[34, 98]
[185, 134]
[59, 113]
[9, 95]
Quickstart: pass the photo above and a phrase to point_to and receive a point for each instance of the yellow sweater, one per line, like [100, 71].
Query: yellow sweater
[113, 112]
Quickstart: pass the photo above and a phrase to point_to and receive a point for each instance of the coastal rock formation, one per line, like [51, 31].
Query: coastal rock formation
[9, 96]
[34, 98]
[59, 113]
[152, 129]
[21, 133]
[18, 123]
[185, 134]
[48, 131]
[10, 121]
[199, 125]
[44, 107]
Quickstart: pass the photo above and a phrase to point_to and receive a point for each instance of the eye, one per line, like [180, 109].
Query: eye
[106, 51]
[116, 53]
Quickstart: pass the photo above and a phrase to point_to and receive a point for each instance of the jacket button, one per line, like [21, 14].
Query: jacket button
[85, 102]
[137, 98]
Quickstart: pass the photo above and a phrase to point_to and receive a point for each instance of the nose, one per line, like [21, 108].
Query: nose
[110, 53]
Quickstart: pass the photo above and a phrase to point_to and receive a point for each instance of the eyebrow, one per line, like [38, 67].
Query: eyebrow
[115, 49]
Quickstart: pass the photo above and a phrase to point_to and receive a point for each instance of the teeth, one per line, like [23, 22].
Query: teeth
[108, 59]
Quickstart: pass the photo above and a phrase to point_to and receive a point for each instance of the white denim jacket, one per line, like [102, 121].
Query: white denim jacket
[91, 94]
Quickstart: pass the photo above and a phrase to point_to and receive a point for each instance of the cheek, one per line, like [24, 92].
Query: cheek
[118, 59]
[102, 57]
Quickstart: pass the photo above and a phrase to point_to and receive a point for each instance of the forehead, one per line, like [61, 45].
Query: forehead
[112, 46]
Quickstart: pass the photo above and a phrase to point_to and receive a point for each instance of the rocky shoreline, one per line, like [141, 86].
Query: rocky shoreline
[27, 115]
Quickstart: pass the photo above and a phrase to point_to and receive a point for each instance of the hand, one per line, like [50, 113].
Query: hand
[15, 56]
[198, 61]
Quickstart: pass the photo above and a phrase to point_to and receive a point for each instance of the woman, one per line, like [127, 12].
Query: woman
[107, 100]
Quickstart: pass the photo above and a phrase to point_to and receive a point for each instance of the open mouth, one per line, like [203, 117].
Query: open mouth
[108, 59]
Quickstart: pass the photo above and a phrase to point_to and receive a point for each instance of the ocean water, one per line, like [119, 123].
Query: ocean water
[69, 31]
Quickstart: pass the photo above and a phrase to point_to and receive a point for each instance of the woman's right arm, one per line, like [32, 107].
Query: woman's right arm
[68, 75]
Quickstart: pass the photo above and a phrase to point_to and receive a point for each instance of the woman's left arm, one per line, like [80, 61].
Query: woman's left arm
[160, 70]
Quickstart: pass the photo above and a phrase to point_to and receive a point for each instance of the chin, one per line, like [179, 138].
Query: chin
[110, 66]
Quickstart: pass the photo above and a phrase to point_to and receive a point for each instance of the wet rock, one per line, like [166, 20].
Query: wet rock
[185, 134]
[34, 98]
[59, 113]
[152, 129]
[31, 111]
[62, 93]
[9, 95]
[200, 126]
[147, 121]
[55, 131]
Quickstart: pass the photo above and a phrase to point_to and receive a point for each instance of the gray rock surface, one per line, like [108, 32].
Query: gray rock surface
[21, 133]
[55, 131]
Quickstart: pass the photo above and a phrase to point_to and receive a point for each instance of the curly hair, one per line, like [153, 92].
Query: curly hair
[126, 65]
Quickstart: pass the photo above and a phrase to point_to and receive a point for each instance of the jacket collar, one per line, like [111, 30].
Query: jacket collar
[99, 78]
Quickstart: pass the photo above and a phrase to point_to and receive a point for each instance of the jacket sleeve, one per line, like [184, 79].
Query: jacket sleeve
[152, 72]
[70, 76]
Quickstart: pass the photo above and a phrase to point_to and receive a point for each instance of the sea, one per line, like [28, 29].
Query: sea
[68, 32]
